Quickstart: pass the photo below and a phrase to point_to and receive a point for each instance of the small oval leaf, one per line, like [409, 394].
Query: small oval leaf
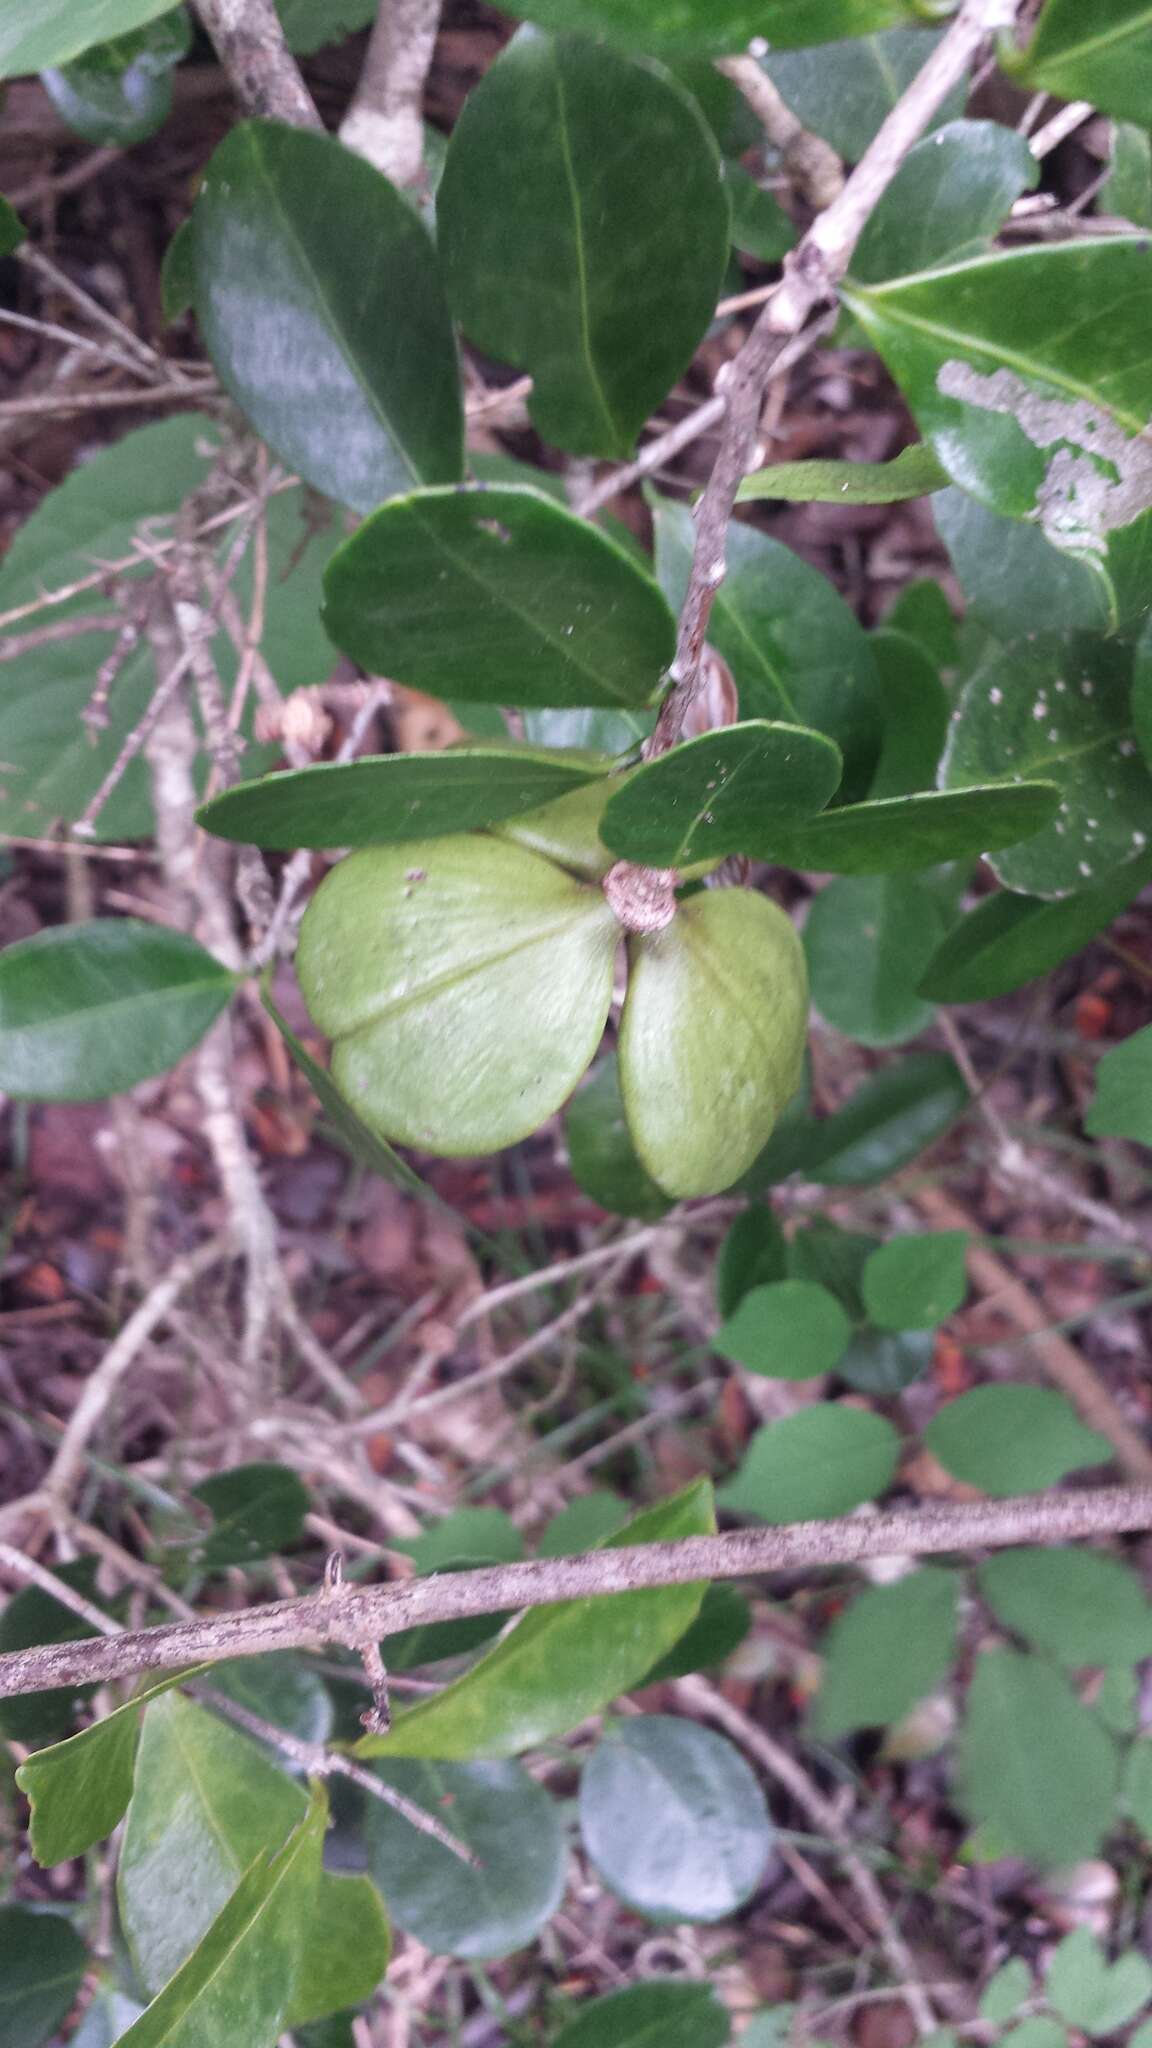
[708, 797]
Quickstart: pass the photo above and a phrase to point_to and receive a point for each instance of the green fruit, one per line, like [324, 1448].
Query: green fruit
[712, 1038]
[465, 984]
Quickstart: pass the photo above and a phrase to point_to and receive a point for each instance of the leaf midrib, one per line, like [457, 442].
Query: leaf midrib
[581, 253]
[1091, 45]
[451, 977]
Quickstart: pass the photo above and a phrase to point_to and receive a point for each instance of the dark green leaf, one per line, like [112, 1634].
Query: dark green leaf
[1030, 403]
[361, 1144]
[760, 226]
[883, 1362]
[28, 1619]
[512, 1827]
[587, 1521]
[922, 613]
[1128, 191]
[464, 1541]
[120, 92]
[1079, 1606]
[1101, 53]
[673, 1819]
[715, 27]
[336, 2032]
[178, 274]
[238, 1983]
[914, 1282]
[1057, 708]
[601, 1154]
[834, 1257]
[57, 30]
[897, 833]
[1009, 940]
[281, 1687]
[392, 797]
[42, 1965]
[501, 597]
[949, 197]
[78, 1790]
[310, 24]
[910, 474]
[1013, 1439]
[889, 1121]
[604, 732]
[789, 1330]
[1122, 1105]
[208, 1802]
[720, 1627]
[822, 1461]
[844, 90]
[257, 1510]
[754, 1254]
[890, 1648]
[347, 368]
[12, 228]
[555, 190]
[1014, 581]
[868, 939]
[914, 708]
[1090, 1992]
[673, 2013]
[559, 1663]
[796, 651]
[709, 797]
[89, 1009]
[1035, 1765]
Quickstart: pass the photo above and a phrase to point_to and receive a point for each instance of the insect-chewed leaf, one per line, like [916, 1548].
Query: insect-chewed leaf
[465, 984]
[712, 1038]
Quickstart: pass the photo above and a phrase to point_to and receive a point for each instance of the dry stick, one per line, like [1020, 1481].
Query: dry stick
[144, 355]
[34, 1574]
[249, 40]
[357, 1615]
[1060, 1360]
[811, 164]
[702, 1698]
[49, 329]
[165, 694]
[385, 122]
[19, 644]
[100, 401]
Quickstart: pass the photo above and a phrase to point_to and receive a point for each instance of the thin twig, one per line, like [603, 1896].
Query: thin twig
[365, 1614]
[34, 1574]
[385, 122]
[249, 40]
[810, 164]
[19, 644]
[105, 401]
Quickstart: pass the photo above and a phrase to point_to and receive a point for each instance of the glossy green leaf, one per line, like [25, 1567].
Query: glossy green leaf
[789, 1330]
[392, 797]
[1009, 940]
[12, 228]
[348, 370]
[463, 1541]
[1101, 53]
[510, 1824]
[760, 226]
[1030, 403]
[724, 1620]
[910, 474]
[120, 92]
[42, 1966]
[1014, 581]
[1006, 1991]
[238, 1982]
[601, 1154]
[207, 1803]
[498, 596]
[1057, 708]
[1090, 1992]
[310, 24]
[1122, 1104]
[1078, 1605]
[669, 2011]
[1128, 191]
[282, 1688]
[336, 2032]
[915, 1282]
[365, 1146]
[868, 939]
[559, 1663]
[712, 1038]
[914, 708]
[1035, 1765]
[714, 27]
[1011, 1439]
[55, 31]
[89, 1009]
[257, 1510]
[708, 797]
[795, 649]
[923, 613]
[604, 732]
[844, 90]
[821, 1461]
[555, 190]
[32, 1617]
[754, 1254]
[888, 1122]
[673, 1819]
[567, 830]
[588, 1520]
[893, 834]
[890, 1648]
[465, 985]
[949, 197]
[79, 1789]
